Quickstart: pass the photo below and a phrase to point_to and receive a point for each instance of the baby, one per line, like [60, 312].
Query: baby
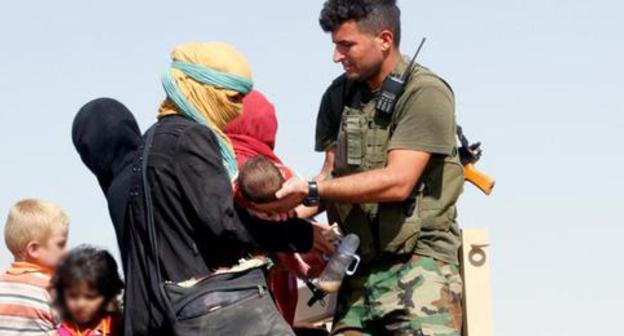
[259, 179]
[261, 175]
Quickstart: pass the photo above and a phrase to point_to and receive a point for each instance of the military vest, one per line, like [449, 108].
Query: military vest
[389, 227]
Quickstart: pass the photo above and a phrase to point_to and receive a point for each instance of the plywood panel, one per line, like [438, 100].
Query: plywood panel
[475, 253]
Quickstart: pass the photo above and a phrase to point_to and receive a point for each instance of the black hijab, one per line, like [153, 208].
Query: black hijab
[104, 133]
[108, 139]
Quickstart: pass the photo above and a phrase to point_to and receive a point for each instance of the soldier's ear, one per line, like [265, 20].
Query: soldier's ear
[386, 40]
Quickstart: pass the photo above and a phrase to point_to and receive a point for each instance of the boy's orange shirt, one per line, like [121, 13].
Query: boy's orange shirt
[24, 267]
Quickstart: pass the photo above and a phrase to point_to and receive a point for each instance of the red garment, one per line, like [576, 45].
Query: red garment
[253, 133]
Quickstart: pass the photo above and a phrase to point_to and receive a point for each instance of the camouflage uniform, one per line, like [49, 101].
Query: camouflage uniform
[409, 283]
[420, 297]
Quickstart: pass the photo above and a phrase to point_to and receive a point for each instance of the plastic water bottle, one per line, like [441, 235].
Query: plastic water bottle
[339, 264]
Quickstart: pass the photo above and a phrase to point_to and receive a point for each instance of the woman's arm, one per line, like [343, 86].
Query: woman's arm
[207, 186]
[294, 235]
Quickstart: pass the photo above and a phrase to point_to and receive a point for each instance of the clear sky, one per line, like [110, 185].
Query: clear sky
[538, 82]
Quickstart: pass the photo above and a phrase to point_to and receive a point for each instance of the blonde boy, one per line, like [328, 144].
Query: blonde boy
[36, 234]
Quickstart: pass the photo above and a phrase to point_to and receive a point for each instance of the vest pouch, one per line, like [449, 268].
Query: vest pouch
[355, 129]
[376, 148]
[398, 233]
[350, 142]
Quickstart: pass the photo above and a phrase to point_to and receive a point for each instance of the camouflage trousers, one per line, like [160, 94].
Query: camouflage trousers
[419, 297]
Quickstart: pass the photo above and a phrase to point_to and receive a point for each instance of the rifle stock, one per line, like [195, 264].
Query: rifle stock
[478, 178]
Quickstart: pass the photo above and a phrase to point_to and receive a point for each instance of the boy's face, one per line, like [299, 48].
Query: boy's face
[49, 253]
[83, 303]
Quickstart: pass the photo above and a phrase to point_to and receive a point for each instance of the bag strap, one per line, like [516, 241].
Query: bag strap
[147, 198]
[149, 214]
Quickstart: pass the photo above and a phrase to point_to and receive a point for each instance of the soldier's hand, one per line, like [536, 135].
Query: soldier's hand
[294, 188]
[292, 193]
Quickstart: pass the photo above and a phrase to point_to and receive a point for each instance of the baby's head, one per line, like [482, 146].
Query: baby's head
[259, 179]
[87, 285]
[36, 232]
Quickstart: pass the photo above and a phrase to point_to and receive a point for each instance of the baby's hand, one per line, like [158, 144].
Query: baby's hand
[315, 260]
[304, 265]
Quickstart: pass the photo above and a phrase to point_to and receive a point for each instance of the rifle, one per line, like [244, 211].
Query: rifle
[469, 154]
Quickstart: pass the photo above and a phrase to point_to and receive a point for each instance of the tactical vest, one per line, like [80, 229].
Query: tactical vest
[389, 227]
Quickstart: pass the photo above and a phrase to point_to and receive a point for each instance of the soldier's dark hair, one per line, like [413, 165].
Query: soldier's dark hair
[259, 179]
[372, 16]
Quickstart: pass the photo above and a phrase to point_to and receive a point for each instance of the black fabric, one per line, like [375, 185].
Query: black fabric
[104, 133]
[190, 306]
[107, 137]
[199, 228]
[189, 302]
[339, 94]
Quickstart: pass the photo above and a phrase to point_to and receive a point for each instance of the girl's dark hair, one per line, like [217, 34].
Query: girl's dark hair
[96, 268]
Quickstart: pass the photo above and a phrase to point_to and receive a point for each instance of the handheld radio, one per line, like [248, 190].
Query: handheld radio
[393, 87]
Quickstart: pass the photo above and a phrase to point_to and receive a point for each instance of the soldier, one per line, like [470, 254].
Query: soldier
[393, 180]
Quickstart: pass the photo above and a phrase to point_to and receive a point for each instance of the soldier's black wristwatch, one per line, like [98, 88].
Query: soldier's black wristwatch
[313, 198]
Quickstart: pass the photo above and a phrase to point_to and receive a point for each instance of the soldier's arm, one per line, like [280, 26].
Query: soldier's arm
[308, 212]
[425, 125]
[392, 183]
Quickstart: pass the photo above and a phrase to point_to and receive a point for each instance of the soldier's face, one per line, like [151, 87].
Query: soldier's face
[360, 53]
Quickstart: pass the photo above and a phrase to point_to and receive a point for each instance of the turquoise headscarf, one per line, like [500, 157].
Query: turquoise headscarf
[211, 77]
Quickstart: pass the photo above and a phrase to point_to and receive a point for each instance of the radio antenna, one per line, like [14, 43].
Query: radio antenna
[409, 67]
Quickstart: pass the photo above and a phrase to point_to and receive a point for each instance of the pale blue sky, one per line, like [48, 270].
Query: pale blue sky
[538, 82]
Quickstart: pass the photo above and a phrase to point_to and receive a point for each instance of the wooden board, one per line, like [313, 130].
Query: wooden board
[475, 265]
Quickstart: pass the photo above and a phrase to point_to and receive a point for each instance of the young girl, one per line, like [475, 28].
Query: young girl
[87, 287]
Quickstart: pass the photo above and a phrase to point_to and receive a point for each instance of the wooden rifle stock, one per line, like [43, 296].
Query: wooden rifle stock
[478, 179]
